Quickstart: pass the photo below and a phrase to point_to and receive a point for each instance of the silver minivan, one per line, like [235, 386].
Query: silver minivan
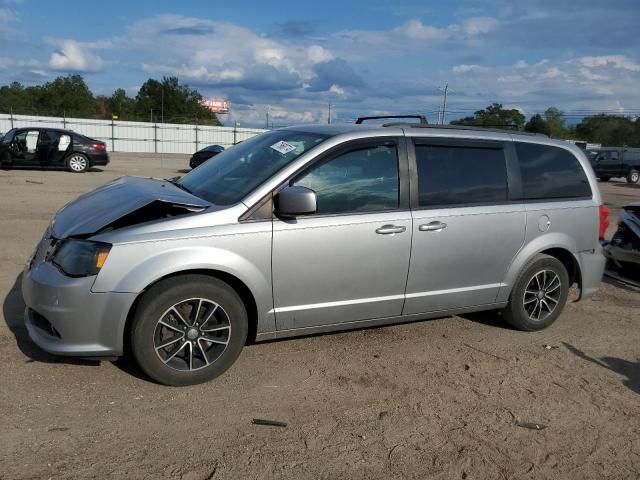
[314, 229]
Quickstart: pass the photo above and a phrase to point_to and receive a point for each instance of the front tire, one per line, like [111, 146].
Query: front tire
[188, 330]
[604, 179]
[77, 163]
[539, 294]
[633, 176]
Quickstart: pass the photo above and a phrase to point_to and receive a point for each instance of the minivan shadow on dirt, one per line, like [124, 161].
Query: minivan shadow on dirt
[12, 309]
[490, 318]
[626, 368]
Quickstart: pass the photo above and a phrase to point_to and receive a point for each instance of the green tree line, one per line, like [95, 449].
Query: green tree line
[166, 99]
[608, 130]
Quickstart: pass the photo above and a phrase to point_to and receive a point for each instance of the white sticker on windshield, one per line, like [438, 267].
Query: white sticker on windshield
[283, 147]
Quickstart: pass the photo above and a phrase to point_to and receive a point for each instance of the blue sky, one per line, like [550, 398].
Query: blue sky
[292, 58]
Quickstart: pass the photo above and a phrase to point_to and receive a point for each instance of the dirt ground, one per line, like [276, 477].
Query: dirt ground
[434, 399]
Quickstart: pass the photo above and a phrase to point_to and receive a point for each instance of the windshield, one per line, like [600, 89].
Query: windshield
[9, 136]
[234, 173]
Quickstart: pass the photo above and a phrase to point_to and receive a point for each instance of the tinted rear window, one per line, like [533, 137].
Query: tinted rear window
[452, 175]
[550, 172]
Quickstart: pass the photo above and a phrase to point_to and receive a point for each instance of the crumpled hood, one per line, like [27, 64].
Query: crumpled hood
[102, 207]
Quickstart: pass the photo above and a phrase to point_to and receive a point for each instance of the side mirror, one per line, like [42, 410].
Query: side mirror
[292, 201]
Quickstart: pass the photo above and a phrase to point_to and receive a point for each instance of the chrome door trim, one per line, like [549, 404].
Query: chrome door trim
[454, 290]
[341, 303]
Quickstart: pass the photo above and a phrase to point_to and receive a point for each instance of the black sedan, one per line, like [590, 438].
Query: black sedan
[205, 154]
[51, 147]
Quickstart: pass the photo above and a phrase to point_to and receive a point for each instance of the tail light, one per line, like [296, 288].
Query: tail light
[101, 147]
[604, 221]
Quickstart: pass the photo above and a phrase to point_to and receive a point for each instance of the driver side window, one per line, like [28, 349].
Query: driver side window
[27, 140]
[361, 180]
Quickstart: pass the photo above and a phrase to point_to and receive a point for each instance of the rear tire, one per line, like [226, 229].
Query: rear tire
[633, 176]
[539, 294]
[604, 179]
[188, 330]
[77, 163]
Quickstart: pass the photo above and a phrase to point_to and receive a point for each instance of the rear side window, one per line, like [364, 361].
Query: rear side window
[550, 172]
[459, 175]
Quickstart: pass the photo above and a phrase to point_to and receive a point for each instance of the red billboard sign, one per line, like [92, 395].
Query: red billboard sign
[216, 105]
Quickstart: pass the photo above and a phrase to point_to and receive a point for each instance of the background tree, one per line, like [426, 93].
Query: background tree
[122, 105]
[68, 95]
[72, 97]
[19, 98]
[609, 130]
[537, 124]
[494, 116]
[555, 120]
[172, 100]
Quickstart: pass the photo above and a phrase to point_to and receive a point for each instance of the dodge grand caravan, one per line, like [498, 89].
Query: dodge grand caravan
[313, 229]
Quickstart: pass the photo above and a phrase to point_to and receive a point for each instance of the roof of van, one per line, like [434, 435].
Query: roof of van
[338, 128]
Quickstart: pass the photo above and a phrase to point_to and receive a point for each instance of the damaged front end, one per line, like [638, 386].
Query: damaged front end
[623, 251]
[124, 202]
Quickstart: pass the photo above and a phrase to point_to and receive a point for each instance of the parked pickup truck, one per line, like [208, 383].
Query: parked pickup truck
[610, 162]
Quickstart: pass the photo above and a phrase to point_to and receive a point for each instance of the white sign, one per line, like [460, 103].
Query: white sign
[283, 147]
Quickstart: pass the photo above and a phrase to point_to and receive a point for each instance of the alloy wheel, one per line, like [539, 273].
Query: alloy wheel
[542, 295]
[192, 334]
[77, 163]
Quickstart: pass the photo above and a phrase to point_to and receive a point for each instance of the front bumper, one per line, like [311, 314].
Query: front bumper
[196, 162]
[64, 317]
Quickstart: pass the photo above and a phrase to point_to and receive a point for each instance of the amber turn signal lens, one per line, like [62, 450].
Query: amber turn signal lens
[101, 258]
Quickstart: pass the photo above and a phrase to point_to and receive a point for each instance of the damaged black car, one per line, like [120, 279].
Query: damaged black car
[623, 251]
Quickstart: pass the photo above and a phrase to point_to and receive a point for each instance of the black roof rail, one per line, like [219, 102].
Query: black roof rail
[465, 127]
[422, 118]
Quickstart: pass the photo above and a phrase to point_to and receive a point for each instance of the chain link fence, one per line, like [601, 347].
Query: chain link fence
[144, 137]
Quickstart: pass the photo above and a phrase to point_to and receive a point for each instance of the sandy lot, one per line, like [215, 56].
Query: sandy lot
[433, 399]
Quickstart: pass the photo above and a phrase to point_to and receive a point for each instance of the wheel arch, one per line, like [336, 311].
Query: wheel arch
[234, 282]
[68, 155]
[557, 245]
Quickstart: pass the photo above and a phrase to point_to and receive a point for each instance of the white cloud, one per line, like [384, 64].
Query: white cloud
[337, 90]
[212, 52]
[75, 56]
[6, 62]
[480, 25]
[615, 61]
[413, 35]
[318, 54]
[594, 81]
[7, 15]
[280, 115]
[464, 68]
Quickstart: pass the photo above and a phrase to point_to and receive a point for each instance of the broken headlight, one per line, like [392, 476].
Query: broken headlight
[80, 258]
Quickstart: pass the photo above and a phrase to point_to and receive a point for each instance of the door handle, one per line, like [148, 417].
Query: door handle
[432, 227]
[390, 229]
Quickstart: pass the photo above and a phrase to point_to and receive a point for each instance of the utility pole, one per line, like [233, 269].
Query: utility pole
[151, 115]
[444, 104]
[329, 115]
[162, 105]
[267, 119]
